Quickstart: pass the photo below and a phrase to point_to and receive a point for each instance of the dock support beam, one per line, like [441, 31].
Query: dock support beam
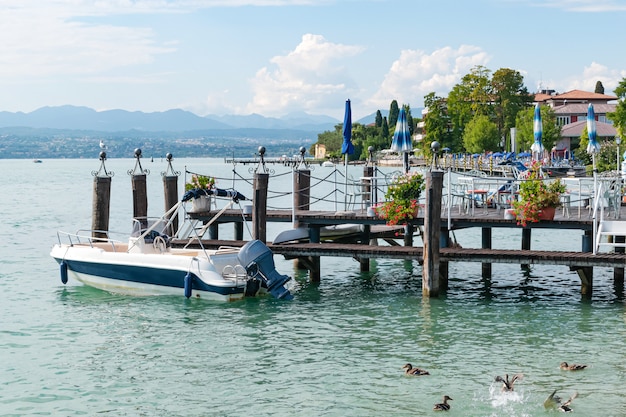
[618, 273]
[431, 283]
[585, 273]
[526, 233]
[486, 244]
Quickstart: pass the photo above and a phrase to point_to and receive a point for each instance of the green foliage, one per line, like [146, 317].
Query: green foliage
[619, 115]
[401, 198]
[599, 88]
[481, 135]
[394, 111]
[510, 97]
[202, 182]
[379, 119]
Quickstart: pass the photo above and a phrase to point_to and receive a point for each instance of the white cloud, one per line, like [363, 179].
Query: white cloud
[415, 74]
[312, 76]
[48, 39]
[585, 6]
[595, 72]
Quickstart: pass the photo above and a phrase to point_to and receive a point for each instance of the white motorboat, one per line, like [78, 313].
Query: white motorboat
[146, 264]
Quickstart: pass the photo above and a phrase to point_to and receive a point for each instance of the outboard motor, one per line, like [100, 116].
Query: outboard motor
[258, 260]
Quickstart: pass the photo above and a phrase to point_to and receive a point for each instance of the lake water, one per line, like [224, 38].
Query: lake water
[335, 350]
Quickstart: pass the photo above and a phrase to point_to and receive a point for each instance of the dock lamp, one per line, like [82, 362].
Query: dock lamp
[434, 147]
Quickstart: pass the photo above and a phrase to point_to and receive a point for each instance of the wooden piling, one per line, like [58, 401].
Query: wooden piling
[170, 192]
[618, 273]
[140, 197]
[301, 192]
[259, 207]
[101, 206]
[431, 284]
[101, 200]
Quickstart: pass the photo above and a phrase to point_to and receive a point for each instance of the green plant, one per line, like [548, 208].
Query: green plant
[401, 199]
[200, 182]
[536, 193]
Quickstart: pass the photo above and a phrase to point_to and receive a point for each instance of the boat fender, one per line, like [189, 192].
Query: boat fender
[63, 268]
[188, 284]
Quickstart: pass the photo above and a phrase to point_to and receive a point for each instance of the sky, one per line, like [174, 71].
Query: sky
[281, 57]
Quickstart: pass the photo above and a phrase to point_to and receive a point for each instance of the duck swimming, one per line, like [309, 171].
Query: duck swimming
[565, 407]
[572, 367]
[409, 370]
[444, 406]
[507, 385]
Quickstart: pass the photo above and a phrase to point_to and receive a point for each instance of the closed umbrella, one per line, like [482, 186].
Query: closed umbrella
[537, 146]
[402, 139]
[347, 148]
[593, 147]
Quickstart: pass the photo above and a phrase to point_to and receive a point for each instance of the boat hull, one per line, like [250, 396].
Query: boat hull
[148, 274]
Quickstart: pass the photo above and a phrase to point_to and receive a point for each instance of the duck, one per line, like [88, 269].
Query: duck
[507, 384]
[572, 366]
[444, 406]
[409, 370]
[565, 407]
[554, 401]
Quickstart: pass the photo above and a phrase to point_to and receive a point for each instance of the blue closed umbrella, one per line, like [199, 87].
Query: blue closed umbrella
[402, 139]
[537, 146]
[347, 147]
[593, 147]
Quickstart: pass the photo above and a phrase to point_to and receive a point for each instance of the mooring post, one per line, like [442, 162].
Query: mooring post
[431, 284]
[101, 200]
[301, 188]
[140, 192]
[444, 242]
[486, 244]
[170, 191]
[259, 199]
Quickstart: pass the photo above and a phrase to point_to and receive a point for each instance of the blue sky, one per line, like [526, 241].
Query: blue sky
[275, 57]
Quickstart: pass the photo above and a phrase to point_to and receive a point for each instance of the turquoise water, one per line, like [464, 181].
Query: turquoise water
[336, 350]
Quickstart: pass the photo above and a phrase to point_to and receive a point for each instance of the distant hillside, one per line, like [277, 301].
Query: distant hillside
[84, 118]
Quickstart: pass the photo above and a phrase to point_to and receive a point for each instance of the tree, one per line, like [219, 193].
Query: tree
[394, 111]
[481, 135]
[379, 119]
[510, 97]
[599, 87]
[472, 96]
[618, 117]
[437, 124]
[525, 132]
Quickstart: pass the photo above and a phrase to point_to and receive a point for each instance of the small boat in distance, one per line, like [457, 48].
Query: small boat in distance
[147, 264]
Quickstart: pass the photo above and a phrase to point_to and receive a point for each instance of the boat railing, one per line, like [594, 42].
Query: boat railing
[86, 237]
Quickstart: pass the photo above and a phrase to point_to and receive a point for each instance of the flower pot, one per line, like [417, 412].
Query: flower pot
[547, 213]
[201, 204]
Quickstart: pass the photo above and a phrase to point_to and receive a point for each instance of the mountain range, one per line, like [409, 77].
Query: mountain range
[71, 132]
[176, 120]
